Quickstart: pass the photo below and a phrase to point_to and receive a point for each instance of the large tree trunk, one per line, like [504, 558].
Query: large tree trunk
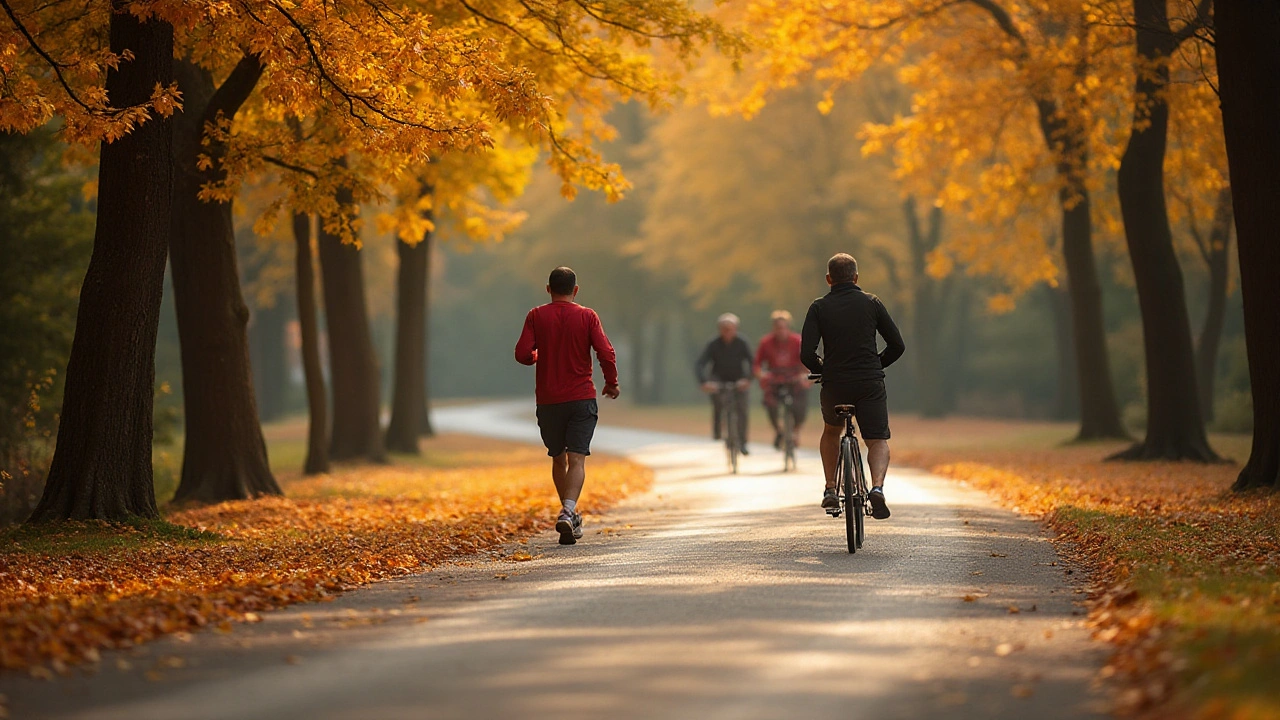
[1066, 400]
[267, 357]
[353, 363]
[102, 464]
[224, 456]
[1175, 427]
[309, 330]
[1099, 412]
[1217, 255]
[1248, 49]
[409, 389]
[926, 320]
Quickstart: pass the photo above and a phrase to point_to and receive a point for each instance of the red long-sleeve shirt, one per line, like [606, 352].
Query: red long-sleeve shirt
[558, 338]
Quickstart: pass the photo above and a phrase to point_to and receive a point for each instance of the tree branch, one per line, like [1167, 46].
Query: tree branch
[53, 64]
[235, 90]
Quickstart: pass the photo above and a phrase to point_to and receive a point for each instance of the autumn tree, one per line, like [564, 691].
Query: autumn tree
[1007, 122]
[465, 194]
[102, 464]
[1175, 422]
[1247, 34]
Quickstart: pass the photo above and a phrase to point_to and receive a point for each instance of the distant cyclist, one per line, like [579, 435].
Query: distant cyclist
[558, 338]
[778, 365]
[846, 320]
[726, 359]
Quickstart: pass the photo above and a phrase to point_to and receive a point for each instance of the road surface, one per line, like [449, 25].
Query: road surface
[712, 596]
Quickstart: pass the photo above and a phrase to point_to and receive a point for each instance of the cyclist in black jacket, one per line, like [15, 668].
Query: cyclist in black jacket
[846, 320]
[727, 359]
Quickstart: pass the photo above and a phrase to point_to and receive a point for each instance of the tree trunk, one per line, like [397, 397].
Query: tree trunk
[101, 467]
[1066, 401]
[1248, 50]
[1175, 427]
[1218, 258]
[353, 363]
[1099, 412]
[267, 358]
[224, 456]
[408, 394]
[317, 402]
[926, 320]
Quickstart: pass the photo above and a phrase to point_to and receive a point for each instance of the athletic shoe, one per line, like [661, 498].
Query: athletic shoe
[570, 528]
[829, 499]
[777, 441]
[743, 449]
[879, 508]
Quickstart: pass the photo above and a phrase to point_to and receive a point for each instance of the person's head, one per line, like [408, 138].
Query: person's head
[563, 284]
[842, 268]
[781, 320]
[727, 324]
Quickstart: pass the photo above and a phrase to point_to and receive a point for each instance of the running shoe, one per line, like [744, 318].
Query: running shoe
[569, 525]
[879, 508]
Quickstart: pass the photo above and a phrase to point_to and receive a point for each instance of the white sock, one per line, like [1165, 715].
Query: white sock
[569, 505]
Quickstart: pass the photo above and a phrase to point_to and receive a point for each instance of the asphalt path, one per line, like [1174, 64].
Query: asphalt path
[712, 596]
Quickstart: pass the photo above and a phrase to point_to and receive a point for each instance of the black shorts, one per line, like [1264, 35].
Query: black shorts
[568, 426]
[870, 406]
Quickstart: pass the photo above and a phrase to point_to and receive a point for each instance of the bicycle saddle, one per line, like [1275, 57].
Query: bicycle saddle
[844, 408]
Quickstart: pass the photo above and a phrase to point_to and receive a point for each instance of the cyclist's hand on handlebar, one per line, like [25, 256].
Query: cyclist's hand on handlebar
[611, 391]
[708, 387]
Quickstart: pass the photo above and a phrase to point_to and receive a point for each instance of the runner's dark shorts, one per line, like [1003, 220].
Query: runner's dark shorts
[568, 426]
[870, 406]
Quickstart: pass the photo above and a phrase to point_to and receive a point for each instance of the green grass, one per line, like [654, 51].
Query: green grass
[1217, 594]
[95, 536]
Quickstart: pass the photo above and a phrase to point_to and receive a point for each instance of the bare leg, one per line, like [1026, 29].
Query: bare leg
[559, 473]
[829, 449]
[575, 476]
[878, 459]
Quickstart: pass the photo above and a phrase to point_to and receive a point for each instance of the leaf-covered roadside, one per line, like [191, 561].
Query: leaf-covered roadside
[67, 595]
[1186, 574]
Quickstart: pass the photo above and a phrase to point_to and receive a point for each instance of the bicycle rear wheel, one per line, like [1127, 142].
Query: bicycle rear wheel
[860, 485]
[852, 506]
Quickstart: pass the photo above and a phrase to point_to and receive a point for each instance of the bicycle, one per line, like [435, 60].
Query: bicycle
[784, 394]
[851, 482]
[728, 403]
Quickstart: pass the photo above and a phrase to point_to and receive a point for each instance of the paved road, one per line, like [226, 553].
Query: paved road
[710, 597]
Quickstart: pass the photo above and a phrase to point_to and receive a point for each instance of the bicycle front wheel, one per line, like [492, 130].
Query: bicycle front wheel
[731, 437]
[852, 504]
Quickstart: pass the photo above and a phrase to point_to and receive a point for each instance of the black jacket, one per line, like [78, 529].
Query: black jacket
[846, 320]
[729, 361]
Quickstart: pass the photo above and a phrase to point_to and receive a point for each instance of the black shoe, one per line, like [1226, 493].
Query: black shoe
[777, 441]
[829, 499]
[570, 528]
[743, 449]
[879, 508]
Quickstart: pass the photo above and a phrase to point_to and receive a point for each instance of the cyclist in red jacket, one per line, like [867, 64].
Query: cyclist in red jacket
[558, 338]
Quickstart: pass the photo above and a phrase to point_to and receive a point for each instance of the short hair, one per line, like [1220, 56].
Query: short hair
[842, 268]
[562, 281]
[777, 315]
[728, 318]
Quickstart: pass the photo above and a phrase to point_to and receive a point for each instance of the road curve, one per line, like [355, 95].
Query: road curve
[712, 596]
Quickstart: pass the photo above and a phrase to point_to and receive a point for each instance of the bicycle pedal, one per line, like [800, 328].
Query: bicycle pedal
[833, 512]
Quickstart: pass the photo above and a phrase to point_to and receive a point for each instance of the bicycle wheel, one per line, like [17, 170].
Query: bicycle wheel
[860, 485]
[852, 507]
[731, 436]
